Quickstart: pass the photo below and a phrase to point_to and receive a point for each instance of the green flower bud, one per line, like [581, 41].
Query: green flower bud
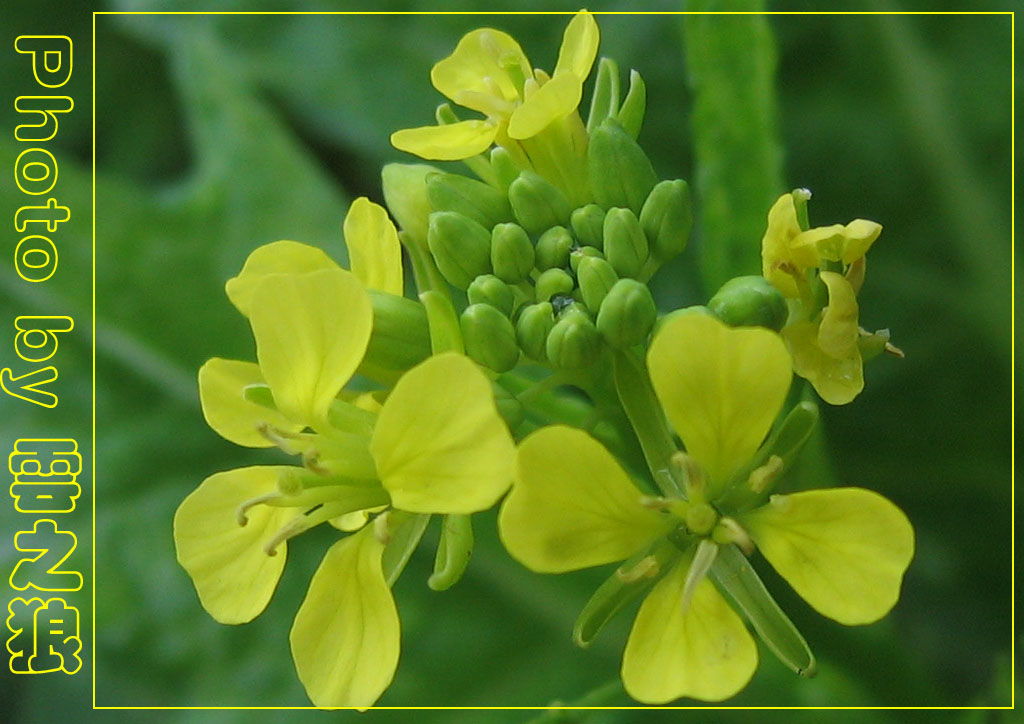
[625, 245]
[581, 253]
[588, 224]
[488, 289]
[512, 254]
[473, 199]
[631, 114]
[532, 329]
[505, 169]
[596, 278]
[400, 338]
[552, 282]
[750, 301]
[461, 247]
[553, 248]
[405, 193]
[620, 172]
[627, 314]
[666, 219]
[695, 309]
[537, 204]
[574, 342]
[489, 337]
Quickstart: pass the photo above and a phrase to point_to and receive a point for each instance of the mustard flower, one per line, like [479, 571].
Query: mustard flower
[435, 445]
[489, 73]
[572, 506]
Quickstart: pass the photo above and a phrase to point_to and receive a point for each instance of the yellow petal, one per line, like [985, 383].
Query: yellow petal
[439, 444]
[452, 142]
[232, 575]
[703, 652]
[481, 63]
[556, 99]
[839, 329]
[345, 639]
[823, 242]
[579, 46]
[844, 550]
[783, 228]
[374, 254]
[280, 257]
[311, 332]
[860, 235]
[572, 506]
[837, 381]
[721, 388]
[234, 418]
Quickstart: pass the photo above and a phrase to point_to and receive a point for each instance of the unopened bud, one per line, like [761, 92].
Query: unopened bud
[574, 342]
[512, 254]
[625, 245]
[596, 278]
[750, 301]
[488, 289]
[666, 219]
[553, 282]
[620, 172]
[580, 253]
[537, 204]
[553, 248]
[461, 247]
[631, 114]
[473, 199]
[489, 337]
[588, 225]
[627, 314]
[535, 324]
[400, 339]
[505, 169]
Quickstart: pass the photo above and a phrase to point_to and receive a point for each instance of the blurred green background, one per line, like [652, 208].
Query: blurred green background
[217, 134]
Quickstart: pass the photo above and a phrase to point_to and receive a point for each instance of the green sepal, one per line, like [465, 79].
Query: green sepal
[667, 218]
[399, 340]
[574, 342]
[489, 337]
[553, 282]
[405, 194]
[453, 552]
[605, 99]
[627, 314]
[596, 278]
[512, 253]
[533, 328]
[580, 253]
[631, 114]
[505, 169]
[588, 224]
[625, 245]
[445, 335]
[750, 301]
[735, 576]
[553, 248]
[460, 246]
[537, 203]
[405, 536]
[620, 172]
[473, 199]
[489, 289]
[619, 590]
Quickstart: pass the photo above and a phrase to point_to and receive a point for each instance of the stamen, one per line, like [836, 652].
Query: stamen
[692, 474]
[381, 530]
[240, 511]
[303, 522]
[760, 478]
[646, 567]
[279, 437]
[699, 567]
[729, 531]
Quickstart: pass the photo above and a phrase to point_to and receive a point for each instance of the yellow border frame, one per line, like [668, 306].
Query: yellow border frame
[1013, 517]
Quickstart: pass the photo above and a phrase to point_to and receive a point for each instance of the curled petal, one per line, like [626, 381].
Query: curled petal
[346, 636]
[486, 61]
[843, 550]
[452, 142]
[439, 444]
[839, 329]
[579, 46]
[837, 381]
[374, 254]
[860, 235]
[232, 575]
[556, 99]
[777, 253]
[572, 506]
[221, 386]
[721, 388]
[702, 650]
[280, 257]
[311, 333]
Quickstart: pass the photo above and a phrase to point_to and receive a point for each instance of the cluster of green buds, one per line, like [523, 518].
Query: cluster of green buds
[530, 278]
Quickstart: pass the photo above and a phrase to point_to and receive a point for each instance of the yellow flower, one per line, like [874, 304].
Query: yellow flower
[823, 342]
[572, 506]
[435, 445]
[489, 73]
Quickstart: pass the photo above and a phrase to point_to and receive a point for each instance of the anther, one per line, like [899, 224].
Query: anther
[646, 567]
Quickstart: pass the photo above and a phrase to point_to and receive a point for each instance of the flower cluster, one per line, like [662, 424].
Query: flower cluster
[532, 278]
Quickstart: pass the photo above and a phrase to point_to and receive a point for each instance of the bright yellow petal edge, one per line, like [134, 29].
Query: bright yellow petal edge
[374, 254]
[346, 637]
[572, 506]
